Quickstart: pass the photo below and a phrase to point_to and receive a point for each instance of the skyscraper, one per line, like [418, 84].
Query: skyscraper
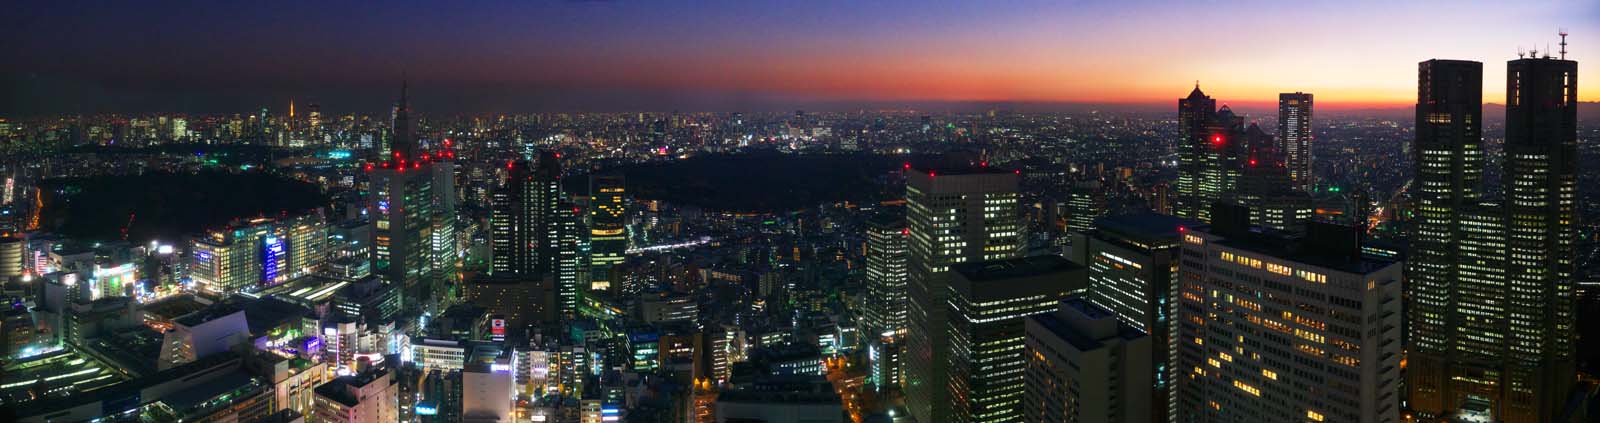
[405, 210]
[1448, 158]
[1086, 201]
[1133, 265]
[1195, 113]
[989, 302]
[545, 193]
[884, 316]
[566, 260]
[1294, 136]
[1085, 365]
[608, 230]
[953, 216]
[885, 312]
[1286, 329]
[511, 224]
[1209, 154]
[1541, 168]
[1266, 184]
[1494, 325]
[442, 165]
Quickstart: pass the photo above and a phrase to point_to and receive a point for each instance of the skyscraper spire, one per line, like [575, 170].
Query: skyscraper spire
[405, 142]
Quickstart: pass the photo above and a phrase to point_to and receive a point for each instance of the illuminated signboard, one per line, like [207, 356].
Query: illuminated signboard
[272, 263]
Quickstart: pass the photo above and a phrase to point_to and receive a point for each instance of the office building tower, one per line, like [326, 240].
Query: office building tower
[1294, 136]
[608, 227]
[1540, 176]
[1276, 328]
[1208, 155]
[989, 302]
[568, 261]
[885, 308]
[1083, 364]
[511, 223]
[1086, 201]
[1448, 280]
[1132, 263]
[953, 216]
[545, 193]
[443, 243]
[1493, 326]
[401, 205]
[1266, 184]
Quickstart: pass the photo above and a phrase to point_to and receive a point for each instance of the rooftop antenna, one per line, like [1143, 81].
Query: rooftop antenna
[1563, 32]
[1533, 54]
[1520, 52]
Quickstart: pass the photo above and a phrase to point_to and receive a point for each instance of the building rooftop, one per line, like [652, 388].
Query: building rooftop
[344, 388]
[1147, 225]
[1301, 250]
[1014, 268]
[1058, 324]
[203, 392]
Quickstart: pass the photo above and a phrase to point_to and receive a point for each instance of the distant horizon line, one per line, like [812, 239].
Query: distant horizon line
[836, 106]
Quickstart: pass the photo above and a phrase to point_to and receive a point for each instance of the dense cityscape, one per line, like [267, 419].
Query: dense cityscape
[961, 262]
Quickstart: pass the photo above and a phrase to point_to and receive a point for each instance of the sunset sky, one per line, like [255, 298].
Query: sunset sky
[727, 55]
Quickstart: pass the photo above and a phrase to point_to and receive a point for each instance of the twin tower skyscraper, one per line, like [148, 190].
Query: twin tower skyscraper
[1491, 279]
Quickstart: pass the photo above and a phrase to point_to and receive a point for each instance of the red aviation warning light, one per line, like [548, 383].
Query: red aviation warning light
[1216, 139]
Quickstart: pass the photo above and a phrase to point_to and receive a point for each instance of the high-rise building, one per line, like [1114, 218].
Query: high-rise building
[1208, 155]
[443, 243]
[411, 201]
[885, 311]
[884, 317]
[1286, 329]
[1083, 364]
[545, 193]
[1493, 294]
[1086, 201]
[608, 227]
[1133, 267]
[1294, 136]
[1448, 160]
[567, 263]
[953, 216]
[989, 301]
[1540, 176]
[511, 223]
[401, 203]
[1266, 184]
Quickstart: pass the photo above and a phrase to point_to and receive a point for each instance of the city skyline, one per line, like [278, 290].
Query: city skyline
[891, 212]
[619, 56]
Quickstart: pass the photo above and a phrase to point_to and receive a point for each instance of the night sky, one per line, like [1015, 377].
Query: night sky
[156, 56]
